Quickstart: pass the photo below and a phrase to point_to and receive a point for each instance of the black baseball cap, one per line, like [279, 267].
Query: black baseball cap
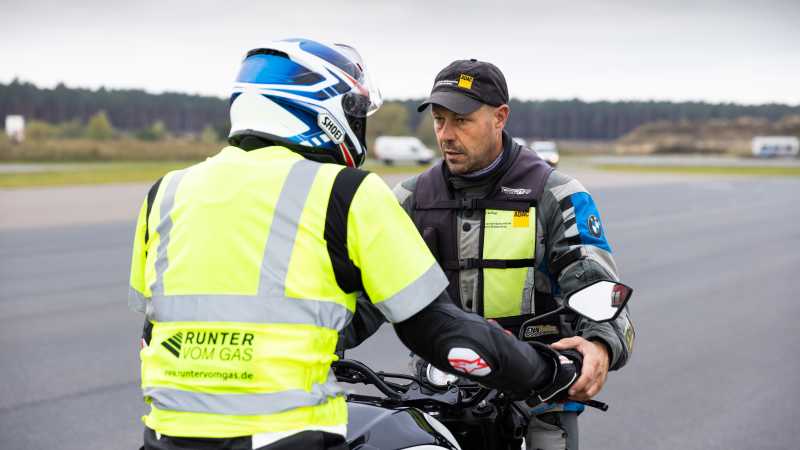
[465, 85]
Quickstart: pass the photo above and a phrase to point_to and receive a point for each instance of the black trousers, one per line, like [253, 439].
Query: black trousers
[311, 440]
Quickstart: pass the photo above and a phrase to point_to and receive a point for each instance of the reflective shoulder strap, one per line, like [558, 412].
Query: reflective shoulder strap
[345, 185]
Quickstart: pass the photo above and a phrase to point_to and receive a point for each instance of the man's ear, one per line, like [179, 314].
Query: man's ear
[501, 116]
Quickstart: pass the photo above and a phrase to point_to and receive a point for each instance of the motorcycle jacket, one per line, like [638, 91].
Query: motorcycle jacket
[513, 242]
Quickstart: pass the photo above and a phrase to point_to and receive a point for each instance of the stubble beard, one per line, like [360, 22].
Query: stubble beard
[470, 163]
[457, 168]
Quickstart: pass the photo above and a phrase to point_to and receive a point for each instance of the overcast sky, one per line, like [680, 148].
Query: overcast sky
[718, 51]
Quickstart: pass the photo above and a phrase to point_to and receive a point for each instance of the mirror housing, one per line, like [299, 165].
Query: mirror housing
[601, 301]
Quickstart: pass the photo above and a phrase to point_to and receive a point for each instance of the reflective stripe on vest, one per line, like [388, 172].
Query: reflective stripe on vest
[242, 404]
[243, 308]
[164, 228]
[507, 235]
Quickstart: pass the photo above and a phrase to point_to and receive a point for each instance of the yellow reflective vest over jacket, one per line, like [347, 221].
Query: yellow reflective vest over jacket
[247, 265]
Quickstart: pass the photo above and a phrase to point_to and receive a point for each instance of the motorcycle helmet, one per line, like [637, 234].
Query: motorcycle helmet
[311, 97]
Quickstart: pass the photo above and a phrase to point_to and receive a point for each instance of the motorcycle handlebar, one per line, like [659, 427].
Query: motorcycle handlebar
[369, 376]
[351, 371]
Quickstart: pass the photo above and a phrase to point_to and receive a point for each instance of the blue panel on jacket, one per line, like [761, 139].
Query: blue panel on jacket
[588, 220]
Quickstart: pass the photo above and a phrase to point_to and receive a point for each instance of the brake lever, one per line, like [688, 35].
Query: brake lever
[347, 375]
[366, 376]
[593, 403]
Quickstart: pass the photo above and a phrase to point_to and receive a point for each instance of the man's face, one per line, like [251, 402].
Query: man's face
[469, 142]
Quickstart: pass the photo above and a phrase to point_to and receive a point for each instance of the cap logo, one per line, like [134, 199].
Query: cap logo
[465, 81]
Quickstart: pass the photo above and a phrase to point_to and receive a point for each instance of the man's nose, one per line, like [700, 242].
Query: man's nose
[445, 132]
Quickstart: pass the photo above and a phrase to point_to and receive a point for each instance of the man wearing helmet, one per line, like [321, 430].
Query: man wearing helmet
[249, 264]
[514, 236]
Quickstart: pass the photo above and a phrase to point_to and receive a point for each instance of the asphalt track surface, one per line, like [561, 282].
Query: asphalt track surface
[714, 264]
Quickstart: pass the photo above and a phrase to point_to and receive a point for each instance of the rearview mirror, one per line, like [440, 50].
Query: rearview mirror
[601, 301]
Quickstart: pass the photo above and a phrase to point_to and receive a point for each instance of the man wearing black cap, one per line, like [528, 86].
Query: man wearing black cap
[514, 236]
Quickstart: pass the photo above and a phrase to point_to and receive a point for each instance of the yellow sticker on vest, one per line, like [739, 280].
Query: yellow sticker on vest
[522, 219]
[507, 219]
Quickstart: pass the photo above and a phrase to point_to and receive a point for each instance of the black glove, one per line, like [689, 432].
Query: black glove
[567, 365]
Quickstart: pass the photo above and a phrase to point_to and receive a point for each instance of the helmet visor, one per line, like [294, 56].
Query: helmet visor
[365, 98]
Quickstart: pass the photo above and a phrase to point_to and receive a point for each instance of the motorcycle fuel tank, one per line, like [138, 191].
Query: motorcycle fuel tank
[372, 427]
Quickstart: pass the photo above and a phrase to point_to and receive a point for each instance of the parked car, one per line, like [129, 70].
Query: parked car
[767, 146]
[402, 149]
[547, 150]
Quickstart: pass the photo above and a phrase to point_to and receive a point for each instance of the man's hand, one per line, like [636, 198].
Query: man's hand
[595, 366]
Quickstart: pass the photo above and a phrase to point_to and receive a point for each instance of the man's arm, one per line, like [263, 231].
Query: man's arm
[136, 287]
[402, 279]
[366, 321]
[578, 254]
[465, 344]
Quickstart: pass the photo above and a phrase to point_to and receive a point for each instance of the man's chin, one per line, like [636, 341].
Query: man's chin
[456, 168]
[456, 164]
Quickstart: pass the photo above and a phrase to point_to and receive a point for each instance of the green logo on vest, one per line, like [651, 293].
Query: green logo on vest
[173, 344]
[211, 345]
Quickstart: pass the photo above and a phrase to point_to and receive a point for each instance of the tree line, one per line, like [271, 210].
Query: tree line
[126, 109]
[139, 111]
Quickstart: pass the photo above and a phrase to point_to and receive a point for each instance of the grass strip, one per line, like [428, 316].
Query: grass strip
[130, 172]
[94, 173]
[705, 170]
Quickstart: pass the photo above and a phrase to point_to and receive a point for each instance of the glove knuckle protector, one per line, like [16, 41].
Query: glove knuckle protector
[567, 364]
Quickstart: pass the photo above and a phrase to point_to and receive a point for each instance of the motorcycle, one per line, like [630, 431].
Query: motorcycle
[436, 410]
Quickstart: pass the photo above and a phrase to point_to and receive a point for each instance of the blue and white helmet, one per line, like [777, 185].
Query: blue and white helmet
[312, 97]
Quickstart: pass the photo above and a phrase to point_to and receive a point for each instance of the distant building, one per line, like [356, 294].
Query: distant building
[766, 146]
[15, 128]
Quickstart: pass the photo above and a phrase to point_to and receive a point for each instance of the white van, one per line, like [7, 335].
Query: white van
[402, 149]
[766, 146]
[547, 150]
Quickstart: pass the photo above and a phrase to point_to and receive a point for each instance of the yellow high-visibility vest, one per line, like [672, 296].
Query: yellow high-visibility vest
[507, 235]
[247, 265]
